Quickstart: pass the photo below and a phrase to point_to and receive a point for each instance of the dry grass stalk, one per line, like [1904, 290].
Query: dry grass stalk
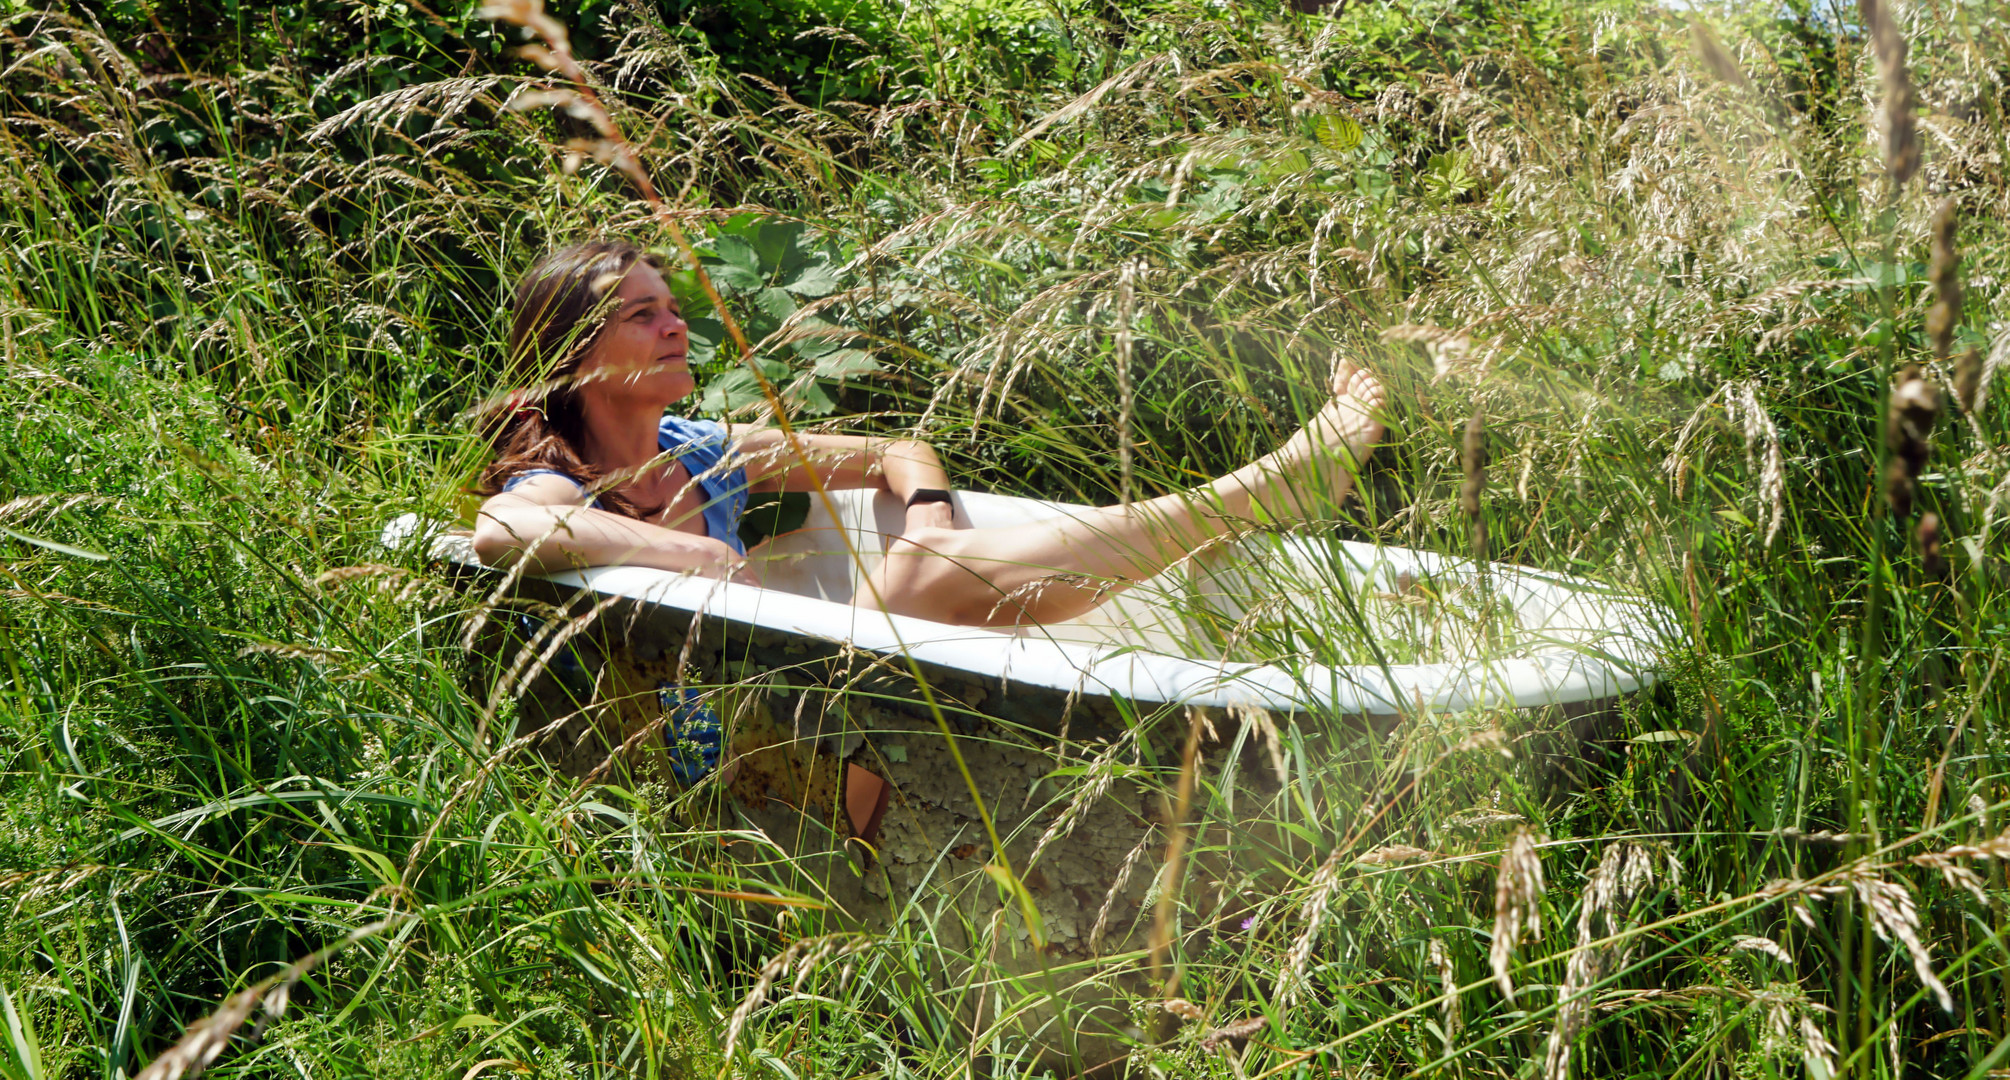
[1943, 270]
[1517, 904]
[1955, 874]
[1449, 1013]
[400, 584]
[1395, 853]
[1817, 1050]
[203, 1040]
[1761, 434]
[1096, 781]
[1716, 57]
[1894, 916]
[1915, 407]
[1998, 358]
[31, 506]
[1997, 848]
[1169, 881]
[1233, 1035]
[1127, 289]
[1764, 945]
[1799, 893]
[1624, 872]
[1927, 538]
[1182, 1008]
[1123, 878]
[802, 956]
[1473, 458]
[1897, 102]
[289, 651]
[1266, 727]
[1324, 881]
[1968, 368]
[1479, 819]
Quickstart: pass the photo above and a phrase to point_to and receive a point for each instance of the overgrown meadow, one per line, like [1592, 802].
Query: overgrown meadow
[1718, 284]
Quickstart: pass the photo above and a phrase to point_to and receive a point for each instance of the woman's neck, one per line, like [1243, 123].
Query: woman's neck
[620, 434]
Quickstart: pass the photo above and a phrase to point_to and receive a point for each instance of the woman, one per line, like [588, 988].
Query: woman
[591, 469]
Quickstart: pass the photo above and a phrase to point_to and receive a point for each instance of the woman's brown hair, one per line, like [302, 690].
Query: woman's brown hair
[556, 317]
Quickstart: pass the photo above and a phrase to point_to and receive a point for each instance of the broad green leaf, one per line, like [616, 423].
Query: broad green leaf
[1336, 132]
[844, 363]
[738, 269]
[705, 336]
[816, 279]
[776, 303]
[813, 399]
[777, 244]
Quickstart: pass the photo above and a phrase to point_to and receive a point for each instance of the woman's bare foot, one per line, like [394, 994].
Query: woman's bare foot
[1350, 423]
[1352, 419]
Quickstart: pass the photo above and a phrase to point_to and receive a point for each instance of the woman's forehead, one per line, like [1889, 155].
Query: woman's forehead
[643, 283]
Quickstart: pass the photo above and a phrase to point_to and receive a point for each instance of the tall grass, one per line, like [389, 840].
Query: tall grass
[1661, 254]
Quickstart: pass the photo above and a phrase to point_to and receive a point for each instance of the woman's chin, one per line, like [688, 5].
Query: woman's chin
[665, 387]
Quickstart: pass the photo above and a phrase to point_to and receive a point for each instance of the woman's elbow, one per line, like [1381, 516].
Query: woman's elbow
[495, 543]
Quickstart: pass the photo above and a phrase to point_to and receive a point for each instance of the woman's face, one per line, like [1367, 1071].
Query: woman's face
[642, 355]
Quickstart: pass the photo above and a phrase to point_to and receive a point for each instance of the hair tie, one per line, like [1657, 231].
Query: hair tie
[519, 405]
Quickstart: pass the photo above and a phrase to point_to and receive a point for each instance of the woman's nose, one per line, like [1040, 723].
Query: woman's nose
[675, 325]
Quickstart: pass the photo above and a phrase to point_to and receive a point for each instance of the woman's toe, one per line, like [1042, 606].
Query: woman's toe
[1366, 389]
[1344, 373]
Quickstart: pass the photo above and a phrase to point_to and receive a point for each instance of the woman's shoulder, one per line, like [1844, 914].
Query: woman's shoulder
[550, 482]
[683, 434]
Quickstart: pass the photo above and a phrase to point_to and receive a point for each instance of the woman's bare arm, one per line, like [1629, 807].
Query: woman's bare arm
[900, 466]
[545, 519]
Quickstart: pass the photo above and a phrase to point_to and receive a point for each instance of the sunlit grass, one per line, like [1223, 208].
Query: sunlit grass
[1674, 292]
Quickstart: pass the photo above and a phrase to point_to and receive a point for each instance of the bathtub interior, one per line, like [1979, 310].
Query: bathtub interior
[1205, 609]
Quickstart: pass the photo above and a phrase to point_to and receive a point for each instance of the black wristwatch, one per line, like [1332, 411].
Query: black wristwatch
[927, 495]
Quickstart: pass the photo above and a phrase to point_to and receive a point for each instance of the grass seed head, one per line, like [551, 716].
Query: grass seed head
[1968, 379]
[1915, 408]
[1448, 976]
[1624, 872]
[1292, 979]
[1716, 57]
[1517, 904]
[1944, 272]
[1233, 1035]
[1927, 536]
[1762, 945]
[1897, 99]
[1895, 916]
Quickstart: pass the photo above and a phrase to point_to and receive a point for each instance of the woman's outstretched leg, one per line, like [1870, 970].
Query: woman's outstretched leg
[1059, 568]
